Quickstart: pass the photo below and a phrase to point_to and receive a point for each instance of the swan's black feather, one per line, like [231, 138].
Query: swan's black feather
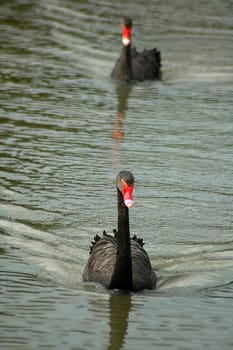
[117, 261]
[133, 65]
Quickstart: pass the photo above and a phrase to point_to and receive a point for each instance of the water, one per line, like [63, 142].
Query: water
[67, 129]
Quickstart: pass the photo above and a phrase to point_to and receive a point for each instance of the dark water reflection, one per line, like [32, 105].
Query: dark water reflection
[66, 129]
[119, 306]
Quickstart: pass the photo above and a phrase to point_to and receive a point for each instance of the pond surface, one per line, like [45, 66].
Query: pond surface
[67, 129]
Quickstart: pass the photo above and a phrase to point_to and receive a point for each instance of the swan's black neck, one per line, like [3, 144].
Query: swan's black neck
[122, 276]
[125, 63]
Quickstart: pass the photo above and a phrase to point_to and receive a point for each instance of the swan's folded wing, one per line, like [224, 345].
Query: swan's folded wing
[143, 274]
[146, 64]
[101, 263]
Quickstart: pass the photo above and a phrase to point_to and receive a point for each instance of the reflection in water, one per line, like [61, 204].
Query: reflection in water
[123, 92]
[119, 305]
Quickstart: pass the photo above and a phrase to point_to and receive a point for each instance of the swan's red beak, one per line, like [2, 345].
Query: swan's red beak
[126, 33]
[127, 192]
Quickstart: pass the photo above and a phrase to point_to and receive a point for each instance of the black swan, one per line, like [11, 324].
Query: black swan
[120, 262]
[133, 65]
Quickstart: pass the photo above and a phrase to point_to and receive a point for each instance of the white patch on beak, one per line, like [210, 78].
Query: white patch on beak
[126, 41]
[129, 203]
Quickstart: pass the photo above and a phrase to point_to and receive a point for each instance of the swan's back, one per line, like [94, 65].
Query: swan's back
[146, 64]
[101, 263]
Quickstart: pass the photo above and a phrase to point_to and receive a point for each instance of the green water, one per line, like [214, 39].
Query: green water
[66, 130]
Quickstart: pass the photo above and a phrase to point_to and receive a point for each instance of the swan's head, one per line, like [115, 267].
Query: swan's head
[126, 31]
[125, 183]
